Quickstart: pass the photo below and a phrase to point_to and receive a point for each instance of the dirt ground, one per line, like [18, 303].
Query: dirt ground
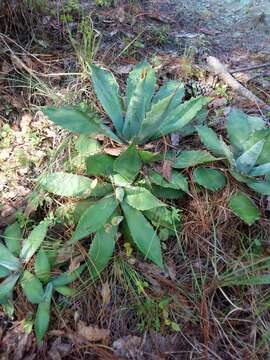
[176, 36]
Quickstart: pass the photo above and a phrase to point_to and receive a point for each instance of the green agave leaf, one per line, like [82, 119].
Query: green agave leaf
[182, 115]
[199, 120]
[128, 164]
[72, 118]
[260, 170]
[168, 218]
[99, 164]
[4, 272]
[141, 199]
[65, 184]
[143, 234]
[8, 260]
[67, 277]
[142, 69]
[86, 146]
[42, 266]
[210, 139]
[242, 206]
[7, 286]
[171, 87]
[65, 291]
[248, 159]
[94, 218]
[139, 103]
[12, 237]
[43, 314]
[101, 250]
[166, 193]
[261, 187]
[210, 179]
[100, 190]
[178, 181]
[255, 123]
[238, 128]
[149, 157]
[154, 118]
[190, 158]
[227, 153]
[32, 287]
[107, 91]
[264, 155]
[34, 240]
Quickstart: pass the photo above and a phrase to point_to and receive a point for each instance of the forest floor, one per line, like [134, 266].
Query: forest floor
[136, 311]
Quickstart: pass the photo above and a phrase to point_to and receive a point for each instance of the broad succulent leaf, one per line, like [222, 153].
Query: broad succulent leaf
[65, 184]
[68, 277]
[139, 99]
[171, 87]
[143, 234]
[142, 70]
[238, 128]
[128, 164]
[7, 259]
[99, 164]
[142, 199]
[42, 266]
[87, 146]
[4, 272]
[210, 179]
[101, 250]
[182, 115]
[43, 314]
[7, 286]
[261, 187]
[165, 217]
[189, 158]
[248, 159]
[94, 218]
[242, 206]
[154, 118]
[260, 170]
[32, 243]
[210, 139]
[177, 181]
[107, 91]
[32, 288]
[12, 237]
[72, 118]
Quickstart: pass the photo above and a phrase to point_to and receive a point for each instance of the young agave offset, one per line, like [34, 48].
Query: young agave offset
[248, 154]
[38, 287]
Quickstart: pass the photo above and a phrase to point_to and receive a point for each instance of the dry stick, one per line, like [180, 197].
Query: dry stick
[248, 68]
[221, 71]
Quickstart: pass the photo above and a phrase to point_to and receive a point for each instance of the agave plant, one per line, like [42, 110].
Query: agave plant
[120, 188]
[248, 155]
[38, 287]
[139, 117]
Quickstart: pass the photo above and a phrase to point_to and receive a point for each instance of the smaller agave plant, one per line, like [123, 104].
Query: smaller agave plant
[248, 157]
[38, 285]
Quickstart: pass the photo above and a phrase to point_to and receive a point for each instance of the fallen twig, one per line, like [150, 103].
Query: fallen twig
[222, 72]
[248, 68]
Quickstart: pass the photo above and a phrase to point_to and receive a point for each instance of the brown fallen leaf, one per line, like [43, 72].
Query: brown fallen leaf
[59, 349]
[167, 169]
[113, 151]
[106, 294]
[92, 333]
